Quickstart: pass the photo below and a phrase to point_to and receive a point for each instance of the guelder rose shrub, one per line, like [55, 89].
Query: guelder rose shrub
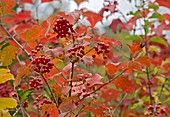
[61, 67]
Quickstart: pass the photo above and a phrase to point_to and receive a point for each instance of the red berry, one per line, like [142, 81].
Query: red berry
[150, 107]
[93, 55]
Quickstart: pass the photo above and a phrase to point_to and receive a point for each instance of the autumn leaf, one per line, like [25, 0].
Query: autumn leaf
[34, 33]
[164, 3]
[92, 17]
[6, 7]
[25, 1]
[79, 1]
[111, 68]
[135, 48]
[22, 72]
[8, 54]
[95, 79]
[3, 32]
[4, 113]
[114, 25]
[5, 75]
[96, 111]
[144, 60]
[46, 0]
[7, 103]
[49, 110]
[127, 85]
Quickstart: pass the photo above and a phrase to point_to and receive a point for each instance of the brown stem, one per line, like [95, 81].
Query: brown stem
[54, 98]
[105, 84]
[71, 77]
[12, 37]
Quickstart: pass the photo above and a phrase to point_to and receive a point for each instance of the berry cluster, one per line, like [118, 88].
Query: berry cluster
[36, 83]
[101, 48]
[34, 52]
[156, 110]
[63, 27]
[25, 104]
[40, 100]
[6, 90]
[77, 53]
[42, 64]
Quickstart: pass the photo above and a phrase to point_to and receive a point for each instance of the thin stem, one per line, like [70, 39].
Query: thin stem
[61, 73]
[80, 111]
[20, 104]
[149, 87]
[162, 87]
[105, 84]
[71, 77]
[120, 102]
[12, 37]
[54, 98]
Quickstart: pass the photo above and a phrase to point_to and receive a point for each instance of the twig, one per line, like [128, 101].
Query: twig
[162, 87]
[20, 105]
[12, 37]
[149, 87]
[105, 83]
[80, 111]
[120, 102]
[55, 101]
[71, 77]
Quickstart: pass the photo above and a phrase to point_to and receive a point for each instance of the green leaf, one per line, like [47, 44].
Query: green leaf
[133, 37]
[7, 103]
[158, 40]
[153, 6]
[24, 94]
[157, 16]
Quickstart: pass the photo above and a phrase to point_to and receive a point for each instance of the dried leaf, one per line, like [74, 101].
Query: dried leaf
[95, 79]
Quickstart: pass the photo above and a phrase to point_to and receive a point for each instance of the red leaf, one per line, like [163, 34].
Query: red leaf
[129, 25]
[110, 94]
[164, 3]
[144, 60]
[95, 79]
[135, 48]
[25, 1]
[127, 85]
[111, 68]
[46, 0]
[98, 112]
[79, 1]
[92, 17]
[49, 110]
[167, 16]
[115, 24]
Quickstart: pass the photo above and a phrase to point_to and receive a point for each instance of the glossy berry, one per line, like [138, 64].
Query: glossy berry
[42, 64]
[36, 83]
[25, 104]
[63, 27]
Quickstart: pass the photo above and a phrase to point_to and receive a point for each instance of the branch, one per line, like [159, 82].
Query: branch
[53, 96]
[71, 77]
[149, 87]
[120, 102]
[12, 37]
[162, 87]
[105, 84]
